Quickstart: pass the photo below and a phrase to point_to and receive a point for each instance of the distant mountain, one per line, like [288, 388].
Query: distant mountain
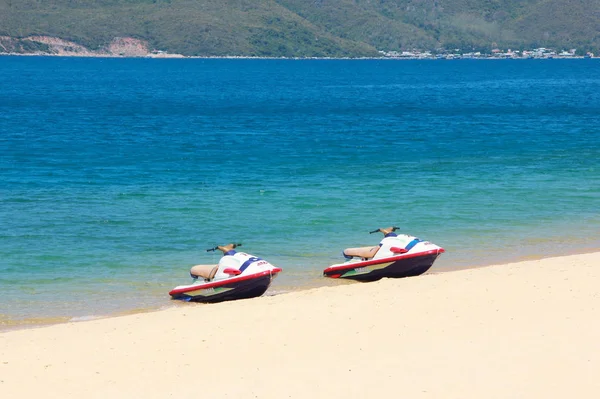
[303, 28]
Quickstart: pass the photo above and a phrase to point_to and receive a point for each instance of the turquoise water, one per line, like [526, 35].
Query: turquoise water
[116, 174]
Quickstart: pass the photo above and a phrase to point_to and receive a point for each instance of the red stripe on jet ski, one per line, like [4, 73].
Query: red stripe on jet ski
[354, 265]
[224, 282]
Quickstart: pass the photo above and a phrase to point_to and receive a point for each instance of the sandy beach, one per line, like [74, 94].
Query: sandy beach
[520, 330]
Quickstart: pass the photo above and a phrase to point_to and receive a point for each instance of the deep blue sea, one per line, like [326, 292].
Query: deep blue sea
[117, 174]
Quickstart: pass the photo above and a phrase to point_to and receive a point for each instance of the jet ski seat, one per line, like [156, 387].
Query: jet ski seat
[362, 252]
[207, 272]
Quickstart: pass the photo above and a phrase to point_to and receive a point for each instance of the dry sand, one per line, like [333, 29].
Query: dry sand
[520, 330]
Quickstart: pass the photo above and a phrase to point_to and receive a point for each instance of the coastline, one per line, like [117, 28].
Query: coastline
[524, 329]
[179, 56]
[277, 289]
[281, 286]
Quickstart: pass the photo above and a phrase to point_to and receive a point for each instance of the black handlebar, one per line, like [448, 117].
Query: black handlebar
[376, 231]
[217, 247]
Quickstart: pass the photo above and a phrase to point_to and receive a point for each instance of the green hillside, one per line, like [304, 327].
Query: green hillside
[304, 28]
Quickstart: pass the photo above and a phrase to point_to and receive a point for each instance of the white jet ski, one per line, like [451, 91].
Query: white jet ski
[397, 255]
[238, 275]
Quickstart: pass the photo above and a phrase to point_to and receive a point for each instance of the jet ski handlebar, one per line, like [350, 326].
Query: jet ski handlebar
[394, 228]
[217, 247]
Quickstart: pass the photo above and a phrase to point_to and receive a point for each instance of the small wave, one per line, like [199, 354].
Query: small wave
[84, 318]
[276, 292]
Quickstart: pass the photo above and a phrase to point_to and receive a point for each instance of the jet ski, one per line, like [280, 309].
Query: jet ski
[238, 275]
[397, 255]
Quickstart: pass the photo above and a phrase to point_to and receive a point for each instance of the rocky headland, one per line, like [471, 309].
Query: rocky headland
[46, 45]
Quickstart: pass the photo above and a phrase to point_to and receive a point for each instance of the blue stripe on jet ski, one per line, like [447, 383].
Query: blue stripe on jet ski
[412, 244]
[248, 263]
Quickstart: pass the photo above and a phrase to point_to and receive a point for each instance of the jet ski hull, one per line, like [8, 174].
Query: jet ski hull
[405, 265]
[226, 290]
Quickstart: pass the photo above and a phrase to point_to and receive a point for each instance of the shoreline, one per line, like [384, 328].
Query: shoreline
[185, 57]
[524, 329]
[318, 283]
